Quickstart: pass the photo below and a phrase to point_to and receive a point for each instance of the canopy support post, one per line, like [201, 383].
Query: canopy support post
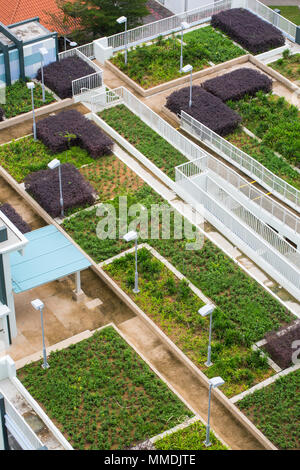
[78, 293]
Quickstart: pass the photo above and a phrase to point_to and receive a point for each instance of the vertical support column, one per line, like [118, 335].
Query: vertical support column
[6, 65]
[78, 293]
[298, 35]
[3, 430]
[21, 60]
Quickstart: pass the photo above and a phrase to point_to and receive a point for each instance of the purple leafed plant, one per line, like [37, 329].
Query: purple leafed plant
[206, 108]
[279, 346]
[236, 84]
[1, 114]
[15, 218]
[253, 33]
[58, 76]
[52, 132]
[43, 185]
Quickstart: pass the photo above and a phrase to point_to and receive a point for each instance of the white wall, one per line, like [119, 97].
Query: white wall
[178, 6]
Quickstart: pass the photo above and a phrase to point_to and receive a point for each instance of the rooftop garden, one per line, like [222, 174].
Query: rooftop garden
[288, 65]
[102, 395]
[274, 120]
[275, 411]
[246, 312]
[18, 99]
[189, 438]
[151, 65]
[250, 31]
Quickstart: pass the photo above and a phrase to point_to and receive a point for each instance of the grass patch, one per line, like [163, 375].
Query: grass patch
[102, 395]
[160, 62]
[288, 65]
[18, 99]
[245, 310]
[25, 156]
[274, 121]
[275, 411]
[292, 13]
[111, 177]
[189, 438]
[147, 141]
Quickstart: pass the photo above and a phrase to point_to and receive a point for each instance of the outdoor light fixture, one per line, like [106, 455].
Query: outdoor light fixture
[130, 237]
[39, 305]
[30, 86]
[122, 20]
[72, 43]
[184, 25]
[52, 165]
[213, 383]
[43, 52]
[204, 311]
[186, 69]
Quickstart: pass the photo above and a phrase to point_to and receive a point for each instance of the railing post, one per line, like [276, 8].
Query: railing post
[4, 445]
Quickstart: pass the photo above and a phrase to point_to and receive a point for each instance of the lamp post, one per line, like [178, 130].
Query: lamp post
[213, 383]
[129, 237]
[186, 69]
[204, 311]
[38, 305]
[30, 86]
[43, 52]
[122, 20]
[72, 43]
[52, 165]
[184, 25]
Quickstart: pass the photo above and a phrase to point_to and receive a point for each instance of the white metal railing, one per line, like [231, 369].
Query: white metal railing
[88, 82]
[92, 81]
[166, 25]
[286, 26]
[266, 247]
[19, 429]
[242, 160]
[87, 50]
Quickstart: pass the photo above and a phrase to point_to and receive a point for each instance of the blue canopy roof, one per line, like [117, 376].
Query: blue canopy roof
[48, 256]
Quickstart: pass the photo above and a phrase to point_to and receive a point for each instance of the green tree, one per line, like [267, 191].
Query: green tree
[98, 17]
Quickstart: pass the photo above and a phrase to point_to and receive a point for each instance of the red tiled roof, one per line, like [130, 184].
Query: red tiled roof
[13, 11]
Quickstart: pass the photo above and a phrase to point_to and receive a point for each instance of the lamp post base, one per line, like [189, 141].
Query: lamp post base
[207, 444]
[45, 366]
[208, 364]
[135, 291]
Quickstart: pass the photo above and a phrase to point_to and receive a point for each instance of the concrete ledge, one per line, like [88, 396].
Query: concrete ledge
[50, 108]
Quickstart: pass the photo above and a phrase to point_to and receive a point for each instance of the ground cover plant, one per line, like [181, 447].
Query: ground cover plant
[58, 76]
[288, 65]
[14, 217]
[245, 313]
[263, 154]
[279, 345]
[206, 108]
[159, 62]
[191, 437]
[244, 27]
[26, 155]
[218, 47]
[56, 132]
[102, 395]
[18, 99]
[275, 411]
[110, 177]
[147, 141]
[1, 114]
[292, 13]
[274, 120]
[234, 85]
[43, 185]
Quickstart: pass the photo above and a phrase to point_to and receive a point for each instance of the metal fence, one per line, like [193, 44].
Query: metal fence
[92, 81]
[255, 238]
[19, 429]
[283, 190]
